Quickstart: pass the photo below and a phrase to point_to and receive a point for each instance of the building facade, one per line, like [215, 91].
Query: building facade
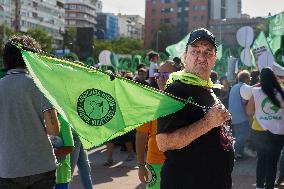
[80, 13]
[225, 30]
[107, 27]
[223, 9]
[5, 12]
[49, 15]
[99, 6]
[165, 16]
[131, 26]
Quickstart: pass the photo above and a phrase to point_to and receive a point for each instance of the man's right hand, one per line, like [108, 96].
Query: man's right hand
[217, 115]
[143, 174]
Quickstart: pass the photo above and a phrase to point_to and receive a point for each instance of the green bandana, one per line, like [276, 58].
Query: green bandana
[192, 79]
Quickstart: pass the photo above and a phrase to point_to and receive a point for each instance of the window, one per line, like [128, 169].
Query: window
[154, 11]
[195, 8]
[72, 7]
[154, 2]
[179, 9]
[167, 1]
[186, 8]
[167, 20]
[167, 10]
[72, 15]
[203, 7]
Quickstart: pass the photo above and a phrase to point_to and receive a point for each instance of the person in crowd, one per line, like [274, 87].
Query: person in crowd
[224, 93]
[128, 138]
[198, 151]
[153, 58]
[214, 78]
[27, 160]
[240, 119]
[254, 74]
[79, 157]
[280, 178]
[141, 76]
[266, 104]
[146, 138]
[62, 150]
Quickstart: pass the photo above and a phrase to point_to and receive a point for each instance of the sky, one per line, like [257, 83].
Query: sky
[252, 7]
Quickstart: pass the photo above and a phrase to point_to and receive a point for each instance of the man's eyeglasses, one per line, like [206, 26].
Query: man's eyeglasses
[164, 75]
[197, 53]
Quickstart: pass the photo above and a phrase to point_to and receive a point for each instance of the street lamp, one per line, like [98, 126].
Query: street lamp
[157, 40]
[220, 30]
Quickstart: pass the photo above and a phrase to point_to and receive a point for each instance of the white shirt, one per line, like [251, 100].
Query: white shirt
[269, 116]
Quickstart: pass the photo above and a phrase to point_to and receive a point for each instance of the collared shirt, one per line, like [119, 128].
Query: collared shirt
[24, 146]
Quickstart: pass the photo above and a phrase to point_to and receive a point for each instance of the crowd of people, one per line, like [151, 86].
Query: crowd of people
[191, 148]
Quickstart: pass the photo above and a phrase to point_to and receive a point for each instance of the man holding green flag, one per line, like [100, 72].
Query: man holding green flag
[198, 152]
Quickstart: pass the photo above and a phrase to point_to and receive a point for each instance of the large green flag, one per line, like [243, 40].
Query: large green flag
[177, 49]
[98, 106]
[276, 24]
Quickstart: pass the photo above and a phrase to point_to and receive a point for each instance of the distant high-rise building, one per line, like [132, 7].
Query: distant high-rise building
[5, 12]
[173, 18]
[107, 27]
[80, 13]
[223, 9]
[37, 13]
[99, 6]
[131, 26]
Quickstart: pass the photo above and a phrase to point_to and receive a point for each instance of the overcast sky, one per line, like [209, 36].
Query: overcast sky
[251, 7]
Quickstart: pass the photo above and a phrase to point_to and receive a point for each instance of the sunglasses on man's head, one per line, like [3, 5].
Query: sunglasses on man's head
[164, 75]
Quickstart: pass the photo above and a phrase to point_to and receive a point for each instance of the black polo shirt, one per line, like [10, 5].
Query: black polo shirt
[204, 158]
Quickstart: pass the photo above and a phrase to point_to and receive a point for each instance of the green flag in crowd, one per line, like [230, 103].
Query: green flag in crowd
[219, 52]
[274, 42]
[276, 24]
[177, 49]
[260, 45]
[98, 106]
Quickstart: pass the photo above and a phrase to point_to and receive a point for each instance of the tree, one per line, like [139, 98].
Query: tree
[40, 35]
[5, 33]
[125, 45]
[167, 35]
[100, 45]
[119, 46]
[70, 37]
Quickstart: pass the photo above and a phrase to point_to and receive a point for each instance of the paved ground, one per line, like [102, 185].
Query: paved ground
[123, 175]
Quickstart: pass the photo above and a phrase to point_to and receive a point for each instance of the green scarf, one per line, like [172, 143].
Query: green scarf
[192, 79]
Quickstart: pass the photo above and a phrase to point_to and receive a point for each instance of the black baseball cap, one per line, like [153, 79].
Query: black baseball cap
[199, 34]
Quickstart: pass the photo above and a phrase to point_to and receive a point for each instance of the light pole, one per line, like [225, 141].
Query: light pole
[157, 40]
[220, 30]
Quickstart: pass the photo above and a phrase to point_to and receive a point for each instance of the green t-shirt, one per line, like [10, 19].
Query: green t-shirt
[63, 171]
